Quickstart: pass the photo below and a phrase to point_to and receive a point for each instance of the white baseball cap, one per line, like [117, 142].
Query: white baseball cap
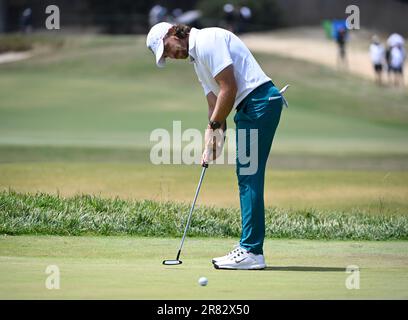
[154, 41]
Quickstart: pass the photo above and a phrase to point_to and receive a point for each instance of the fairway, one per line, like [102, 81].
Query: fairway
[130, 268]
[101, 91]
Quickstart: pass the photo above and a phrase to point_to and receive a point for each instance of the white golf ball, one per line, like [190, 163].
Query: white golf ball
[203, 281]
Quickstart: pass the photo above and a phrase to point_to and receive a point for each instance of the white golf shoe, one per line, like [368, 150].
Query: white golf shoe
[241, 259]
[228, 255]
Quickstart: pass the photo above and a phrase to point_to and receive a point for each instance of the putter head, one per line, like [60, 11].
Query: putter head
[172, 262]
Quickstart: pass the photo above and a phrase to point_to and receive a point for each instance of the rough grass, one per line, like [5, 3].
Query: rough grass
[90, 215]
[20, 42]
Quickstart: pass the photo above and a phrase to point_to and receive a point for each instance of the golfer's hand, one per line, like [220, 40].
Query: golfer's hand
[213, 144]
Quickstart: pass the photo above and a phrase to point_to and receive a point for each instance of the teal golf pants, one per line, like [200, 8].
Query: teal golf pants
[260, 110]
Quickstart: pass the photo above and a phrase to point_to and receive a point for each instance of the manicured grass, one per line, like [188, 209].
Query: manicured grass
[106, 92]
[81, 215]
[379, 161]
[130, 268]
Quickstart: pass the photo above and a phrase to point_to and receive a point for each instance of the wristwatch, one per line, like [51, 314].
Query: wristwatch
[214, 125]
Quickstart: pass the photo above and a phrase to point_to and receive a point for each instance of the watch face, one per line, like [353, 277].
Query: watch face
[215, 125]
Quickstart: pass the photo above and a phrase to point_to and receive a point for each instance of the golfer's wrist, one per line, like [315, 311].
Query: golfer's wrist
[223, 125]
[214, 124]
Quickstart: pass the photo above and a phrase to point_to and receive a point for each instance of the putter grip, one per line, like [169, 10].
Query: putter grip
[205, 165]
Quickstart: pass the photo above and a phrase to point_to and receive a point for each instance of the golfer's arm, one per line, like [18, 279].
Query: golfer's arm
[212, 100]
[226, 97]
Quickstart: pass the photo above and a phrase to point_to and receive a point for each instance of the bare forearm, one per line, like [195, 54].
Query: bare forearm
[210, 112]
[212, 101]
[225, 102]
[226, 96]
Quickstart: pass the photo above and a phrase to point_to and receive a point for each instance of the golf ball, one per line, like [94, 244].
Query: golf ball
[203, 281]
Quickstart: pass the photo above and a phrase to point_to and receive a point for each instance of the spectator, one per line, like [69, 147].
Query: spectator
[157, 14]
[388, 62]
[229, 17]
[177, 13]
[245, 15]
[341, 38]
[377, 53]
[397, 59]
[26, 21]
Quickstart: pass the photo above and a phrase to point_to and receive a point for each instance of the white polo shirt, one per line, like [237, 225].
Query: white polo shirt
[377, 53]
[397, 57]
[213, 49]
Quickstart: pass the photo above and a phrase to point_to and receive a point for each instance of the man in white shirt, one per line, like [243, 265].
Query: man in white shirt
[231, 78]
[377, 54]
[397, 59]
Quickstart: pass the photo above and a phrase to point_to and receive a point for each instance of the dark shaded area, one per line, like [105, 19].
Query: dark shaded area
[119, 16]
[381, 15]
[265, 15]
[306, 269]
[128, 16]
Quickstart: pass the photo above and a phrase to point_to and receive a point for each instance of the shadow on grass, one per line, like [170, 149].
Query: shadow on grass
[306, 269]
[298, 269]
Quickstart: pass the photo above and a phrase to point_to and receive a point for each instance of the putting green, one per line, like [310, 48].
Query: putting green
[130, 268]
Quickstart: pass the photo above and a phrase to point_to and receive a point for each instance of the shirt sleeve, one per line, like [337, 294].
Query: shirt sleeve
[205, 87]
[215, 54]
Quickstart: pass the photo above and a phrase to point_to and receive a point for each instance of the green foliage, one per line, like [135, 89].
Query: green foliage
[83, 214]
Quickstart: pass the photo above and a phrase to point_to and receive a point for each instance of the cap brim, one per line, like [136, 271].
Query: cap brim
[160, 61]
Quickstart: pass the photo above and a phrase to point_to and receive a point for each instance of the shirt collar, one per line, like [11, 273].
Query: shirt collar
[191, 44]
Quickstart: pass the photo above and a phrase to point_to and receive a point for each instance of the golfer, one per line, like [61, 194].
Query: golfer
[231, 79]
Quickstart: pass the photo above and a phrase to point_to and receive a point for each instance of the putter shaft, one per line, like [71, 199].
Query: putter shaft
[191, 209]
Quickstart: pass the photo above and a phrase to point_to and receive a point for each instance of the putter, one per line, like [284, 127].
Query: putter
[177, 260]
